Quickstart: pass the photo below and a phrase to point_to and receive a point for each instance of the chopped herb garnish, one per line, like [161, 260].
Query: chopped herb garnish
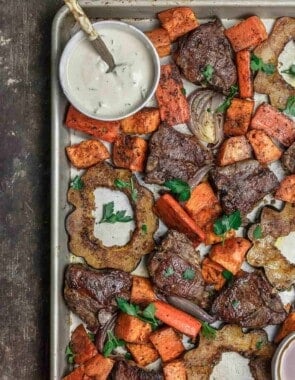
[189, 274]
[77, 183]
[148, 315]
[235, 304]
[226, 223]
[112, 343]
[179, 188]
[128, 356]
[126, 307]
[259, 344]
[168, 272]
[120, 184]
[207, 331]
[208, 72]
[257, 233]
[290, 70]
[183, 91]
[257, 64]
[290, 107]
[91, 336]
[232, 93]
[144, 228]
[69, 354]
[227, 275]
[108, 215]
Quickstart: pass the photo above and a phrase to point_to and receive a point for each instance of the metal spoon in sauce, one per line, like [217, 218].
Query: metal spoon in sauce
[93, 36]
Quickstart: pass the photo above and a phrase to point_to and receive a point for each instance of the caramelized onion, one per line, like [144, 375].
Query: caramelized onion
[101, 334]
[198, 177]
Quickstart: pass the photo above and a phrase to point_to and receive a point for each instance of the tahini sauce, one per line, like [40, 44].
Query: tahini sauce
[116, 93]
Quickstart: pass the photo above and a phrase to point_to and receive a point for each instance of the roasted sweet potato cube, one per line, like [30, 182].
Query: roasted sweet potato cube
[132, 329]
[264, 148]
[168, 343]
[77, 374]
[143, 354]
[212, 238]
[99, 367]
[87, 153]
[161, 41]
[234, 149]
[212, 273]
[245, 77]
[238, 117]
[142, 291]
[174, 370]
[178, 21]
[130, 153]
[287, 327]
[145, 121]
[286, 190]
[82, 346]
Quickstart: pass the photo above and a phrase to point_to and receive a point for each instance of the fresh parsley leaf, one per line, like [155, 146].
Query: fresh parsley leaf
[69, 354]
[290, 70]
[108, 215]
[188, 274]
[183, 90]
[148, 315]
[224, 106]
[257, 233]
[290, 107]
[179, 188]
[126, 307]
[168, 272]
[257, 64]
[127, 185]
[227, 275]
[207, 331]
[235, 303]
[208, 72]
[112, 343]
[91, 336]
[144, 228]
[226, 223]
[128, 356]
[77, 183]
[259, 344]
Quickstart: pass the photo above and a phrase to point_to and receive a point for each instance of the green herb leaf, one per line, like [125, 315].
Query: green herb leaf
[188, 274]
[127, 185]
[112, 343]
[290, 107]
[144, 228]
[227, 275]
[77, 183]
[168, 272]
[226, 223]
[183, 91]
[235, 303]
[126, 307]
[128, 356]
[70, 356]
[257, 64]
[257, 233]
[108, 215]
[259, 344]
[208, 72]
[224, 106]
[148, 315]
[179, 188]
[91, 336]
[290, 70]
[207, 331]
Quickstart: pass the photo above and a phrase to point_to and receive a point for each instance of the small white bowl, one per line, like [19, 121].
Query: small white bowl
[119, 26]
[279, 359]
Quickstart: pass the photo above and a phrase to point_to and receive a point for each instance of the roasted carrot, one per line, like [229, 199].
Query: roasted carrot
[234, 149]
[177, 319]
[174, 216]
[245, 80]
[130, 153]
[264, 148]
[142, 291]
[87, 153]
[212, 238]
[161, 41]
[231, 253]
[286, 190]
[82, 346]
[178, 21]
[274, 124]
[287, 327]
[247, 34]
[175, 370]
[145, 121]
[174, 108]
[167, 343]
[132, 329]
[143, 354]
[212, 273]
[99, 367]
[77, 374]
[238, 117]
[104, 130]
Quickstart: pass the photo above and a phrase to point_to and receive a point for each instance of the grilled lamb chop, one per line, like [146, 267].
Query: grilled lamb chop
[175, 269]
[288, 159]
[240, 186]
[250, 302]
[125, 371]
[87, 291]
[207, 45]
[174, 155]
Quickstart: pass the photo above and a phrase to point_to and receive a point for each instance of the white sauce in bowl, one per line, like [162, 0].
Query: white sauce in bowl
[119, 92]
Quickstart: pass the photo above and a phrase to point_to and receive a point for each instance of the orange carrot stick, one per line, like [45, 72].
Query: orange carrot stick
[243, 59]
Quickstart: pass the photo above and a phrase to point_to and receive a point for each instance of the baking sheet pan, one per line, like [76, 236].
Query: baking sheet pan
[142, 14]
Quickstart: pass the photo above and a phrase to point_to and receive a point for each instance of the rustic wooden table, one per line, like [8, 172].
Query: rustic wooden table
[25, 187]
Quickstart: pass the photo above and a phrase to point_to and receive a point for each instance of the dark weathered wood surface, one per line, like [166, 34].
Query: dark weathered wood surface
[25, 187]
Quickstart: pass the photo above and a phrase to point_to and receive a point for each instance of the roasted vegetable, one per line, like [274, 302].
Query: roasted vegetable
[161, 41]
[145, 121]
[287, 327]
[81, 345]
[286, 190]
[167, 343]
[131, 329]
[212, 273]
[175, 370]
[234, 149]
[87, 153]
[238, 117]
[130, 153]
[264, 148]
[245, 80]
[142, 291]
[143, 354]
